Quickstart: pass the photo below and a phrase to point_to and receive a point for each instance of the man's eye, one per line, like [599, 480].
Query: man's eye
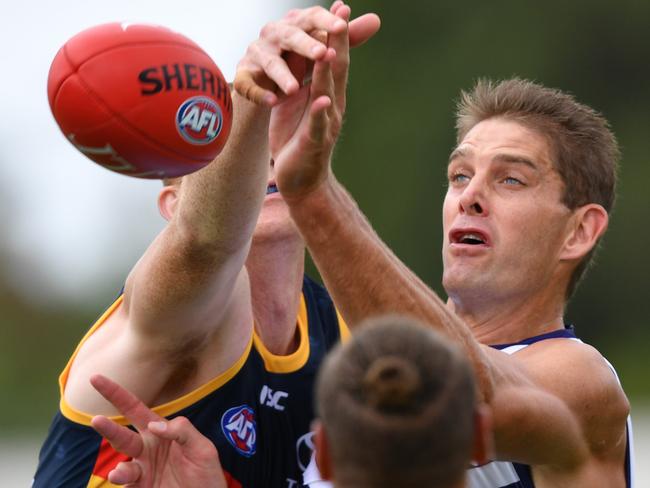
[512, 181]
[458, 178]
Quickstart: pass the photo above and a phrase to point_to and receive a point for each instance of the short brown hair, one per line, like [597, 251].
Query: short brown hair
[584, 149]
[397, 405]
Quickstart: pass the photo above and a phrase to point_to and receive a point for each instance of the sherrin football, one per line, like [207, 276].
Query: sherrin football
[141, 100]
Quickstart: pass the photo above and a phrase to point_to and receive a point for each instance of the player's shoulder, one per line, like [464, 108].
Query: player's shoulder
[571, 363]
[567, 357]
[579, 374]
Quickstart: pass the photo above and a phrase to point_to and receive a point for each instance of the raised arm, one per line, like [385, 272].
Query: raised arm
[189, 272]
[539, 418]
[541, 415]
[189, 293]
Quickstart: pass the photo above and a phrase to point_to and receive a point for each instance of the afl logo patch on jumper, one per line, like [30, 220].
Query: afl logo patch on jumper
[238, 425]
[199, 120]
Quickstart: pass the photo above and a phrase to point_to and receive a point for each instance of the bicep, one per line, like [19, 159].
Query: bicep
[179, 289]
[557, 404]
[533, 424]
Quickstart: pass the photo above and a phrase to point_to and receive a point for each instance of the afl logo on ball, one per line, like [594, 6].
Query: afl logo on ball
[238, 425]
[199, 120]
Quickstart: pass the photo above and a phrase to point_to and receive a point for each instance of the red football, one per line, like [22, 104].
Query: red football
[140, 99]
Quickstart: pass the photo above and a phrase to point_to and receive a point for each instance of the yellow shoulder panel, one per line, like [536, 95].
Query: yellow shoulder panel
[162, 410]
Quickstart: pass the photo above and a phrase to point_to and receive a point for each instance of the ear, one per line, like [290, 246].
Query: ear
[323, 457]
[589, 224]
[167, 199]
[483, 448]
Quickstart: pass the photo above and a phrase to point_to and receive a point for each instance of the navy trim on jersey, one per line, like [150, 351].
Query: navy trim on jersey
[567, 333]
[525, 475]
[628, 461]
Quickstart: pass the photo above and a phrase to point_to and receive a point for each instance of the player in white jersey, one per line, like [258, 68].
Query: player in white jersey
[508, 474]
[531, 184]
[501, 474]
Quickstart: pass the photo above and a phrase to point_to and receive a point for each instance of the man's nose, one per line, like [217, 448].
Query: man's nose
[473, 200]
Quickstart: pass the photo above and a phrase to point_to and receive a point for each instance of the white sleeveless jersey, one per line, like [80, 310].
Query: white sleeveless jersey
[503, 474]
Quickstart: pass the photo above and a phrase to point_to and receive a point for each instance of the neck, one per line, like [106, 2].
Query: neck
[276, 272]
[502, 321]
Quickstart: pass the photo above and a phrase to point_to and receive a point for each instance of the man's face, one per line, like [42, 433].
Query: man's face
[504, 224]
[274, 222]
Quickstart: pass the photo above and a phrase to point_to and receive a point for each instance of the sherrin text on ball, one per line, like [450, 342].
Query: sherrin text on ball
[140, 99]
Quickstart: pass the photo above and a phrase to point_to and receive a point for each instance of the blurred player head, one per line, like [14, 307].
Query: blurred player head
[531, 183]
[398, 408]
[274, 222]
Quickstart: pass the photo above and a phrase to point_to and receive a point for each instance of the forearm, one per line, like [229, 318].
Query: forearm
[218, 206]
[191, 266]
[366, 279]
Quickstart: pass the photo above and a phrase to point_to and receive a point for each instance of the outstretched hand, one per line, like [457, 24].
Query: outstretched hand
[299, 66]
[164, 453]
[266, 71]
[302, 163]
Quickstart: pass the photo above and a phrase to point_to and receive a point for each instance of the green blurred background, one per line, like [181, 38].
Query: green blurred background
[392, 156]
[400, 130]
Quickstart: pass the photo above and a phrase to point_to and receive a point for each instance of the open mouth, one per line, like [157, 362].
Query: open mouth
[471, 238]
[272, 188]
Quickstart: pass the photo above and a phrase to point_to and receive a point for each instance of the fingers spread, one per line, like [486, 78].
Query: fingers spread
[121, 438]
[130, 406]
[264, 64]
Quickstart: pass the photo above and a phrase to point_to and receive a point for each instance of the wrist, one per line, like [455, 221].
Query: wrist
[245, 106]
[322, 211]
[311, 197]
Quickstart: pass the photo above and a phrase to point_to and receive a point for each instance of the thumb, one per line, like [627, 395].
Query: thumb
[183, 432]
[194, 446]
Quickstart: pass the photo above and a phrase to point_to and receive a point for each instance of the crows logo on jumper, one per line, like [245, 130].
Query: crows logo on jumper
[199, 120]
[238, 425]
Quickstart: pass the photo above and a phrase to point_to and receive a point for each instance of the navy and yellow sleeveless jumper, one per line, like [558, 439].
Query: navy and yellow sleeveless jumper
[257, 413]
